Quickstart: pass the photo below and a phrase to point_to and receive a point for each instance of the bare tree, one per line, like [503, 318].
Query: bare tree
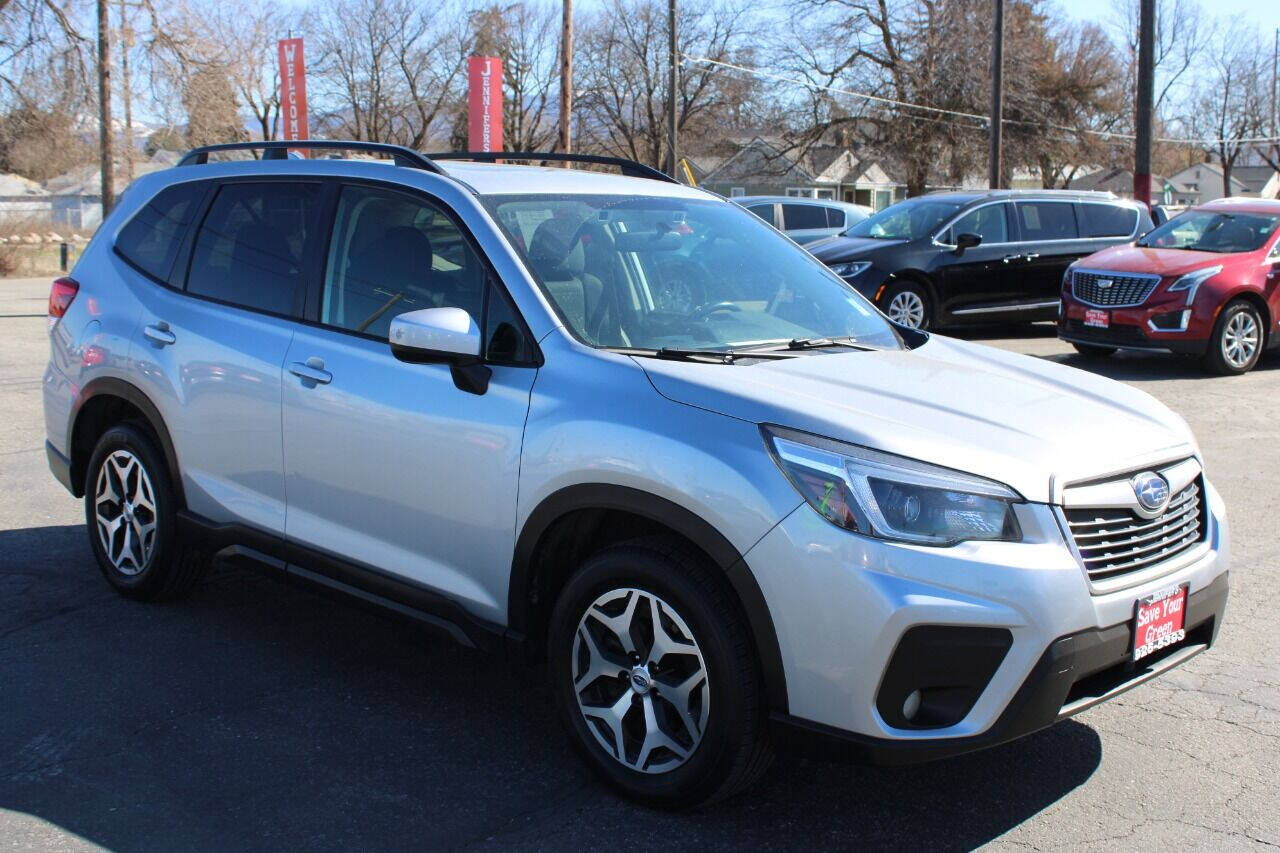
[392, 70]
[622, 100]
[1232, 100]
[525, 35]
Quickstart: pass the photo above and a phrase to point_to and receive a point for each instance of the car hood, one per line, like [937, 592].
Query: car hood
[1163, 262]
[1026, 422]
[841, 248]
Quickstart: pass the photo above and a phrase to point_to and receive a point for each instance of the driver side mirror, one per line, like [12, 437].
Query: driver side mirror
[967, 241]
[442, 336]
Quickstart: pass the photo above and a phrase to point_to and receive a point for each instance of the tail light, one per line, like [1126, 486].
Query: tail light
[62, 293]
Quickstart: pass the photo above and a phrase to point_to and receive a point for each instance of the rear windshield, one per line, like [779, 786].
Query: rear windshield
[1213, 231]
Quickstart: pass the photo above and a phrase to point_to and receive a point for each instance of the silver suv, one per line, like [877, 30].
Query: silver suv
[621, 427]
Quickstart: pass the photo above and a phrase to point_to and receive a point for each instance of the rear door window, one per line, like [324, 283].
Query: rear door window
[835, 217]
[1047, 220]
[151, 239]
[800, 216]
[1106, 220]
[249, 250]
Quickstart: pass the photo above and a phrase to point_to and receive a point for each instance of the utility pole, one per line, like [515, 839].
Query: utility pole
[566, 78]
[997, 94]
[126, 42]
[1275, 75]
[1146, 101]
[104, 107]
[672, 107]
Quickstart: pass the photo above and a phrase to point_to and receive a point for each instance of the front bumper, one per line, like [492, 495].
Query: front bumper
[842, 604]
[1164, 323]
[1075, 672]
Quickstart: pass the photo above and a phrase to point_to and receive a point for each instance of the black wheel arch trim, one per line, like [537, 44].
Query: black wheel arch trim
[112, 387]
[605, 496]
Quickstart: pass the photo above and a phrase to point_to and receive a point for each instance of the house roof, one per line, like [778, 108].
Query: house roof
[1115, 179]
[821, 164]
[1254, 178]
[16, 185]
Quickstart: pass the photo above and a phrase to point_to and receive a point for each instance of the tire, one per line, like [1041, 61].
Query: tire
[1237, 340]
[720, 745]
[1094, 351]
[136, 540]
[908, 304]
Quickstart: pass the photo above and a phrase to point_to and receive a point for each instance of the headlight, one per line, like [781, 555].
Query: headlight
[851, 269]
[1193, 280]
[893, 497]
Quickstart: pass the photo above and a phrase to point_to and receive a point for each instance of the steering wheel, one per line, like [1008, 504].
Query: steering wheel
[682, 286]
[704, 311]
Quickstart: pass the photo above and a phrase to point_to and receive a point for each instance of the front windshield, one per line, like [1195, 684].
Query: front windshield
[1213, 231]
[906, 220]
[652, 273]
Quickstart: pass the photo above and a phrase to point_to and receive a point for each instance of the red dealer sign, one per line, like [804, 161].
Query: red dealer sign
[484, 102]
[293, 89]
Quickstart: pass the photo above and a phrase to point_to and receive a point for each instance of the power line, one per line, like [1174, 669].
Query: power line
[984, 120]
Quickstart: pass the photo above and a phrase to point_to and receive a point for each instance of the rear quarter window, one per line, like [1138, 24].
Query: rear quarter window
[1106, 220]
[800, 216]
[151, 239]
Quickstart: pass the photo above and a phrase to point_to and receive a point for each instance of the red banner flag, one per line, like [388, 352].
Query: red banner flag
[484, 102]
[293, 90]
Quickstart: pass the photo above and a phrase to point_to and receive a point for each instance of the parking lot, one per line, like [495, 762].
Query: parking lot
[260, 716]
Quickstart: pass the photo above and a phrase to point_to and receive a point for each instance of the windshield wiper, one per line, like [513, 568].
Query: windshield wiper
[715, 356]
[816, 343]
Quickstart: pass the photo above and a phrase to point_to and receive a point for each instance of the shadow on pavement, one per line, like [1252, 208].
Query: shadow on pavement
[260, 716]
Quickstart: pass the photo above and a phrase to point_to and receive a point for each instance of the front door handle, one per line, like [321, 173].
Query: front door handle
[1031, 256]
[159, 334]
[311, 371]
[1007, 258]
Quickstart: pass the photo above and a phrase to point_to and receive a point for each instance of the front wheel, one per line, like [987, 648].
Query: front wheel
[655, 677]
[1236, 343]
[908, 304]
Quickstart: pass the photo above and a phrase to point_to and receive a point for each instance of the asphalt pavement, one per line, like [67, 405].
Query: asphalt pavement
[260, 716]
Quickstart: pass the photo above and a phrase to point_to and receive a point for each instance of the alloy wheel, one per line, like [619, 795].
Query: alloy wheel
[124, 509]
[640, 680]
[1240, 339]
[907, 309]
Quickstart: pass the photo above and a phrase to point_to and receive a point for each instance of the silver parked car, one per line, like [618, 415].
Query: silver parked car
[805, 219]
[622, 427]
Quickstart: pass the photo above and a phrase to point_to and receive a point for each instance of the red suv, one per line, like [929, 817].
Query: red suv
[1206, 283]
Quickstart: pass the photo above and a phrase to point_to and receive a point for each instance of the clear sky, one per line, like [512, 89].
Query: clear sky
[1264, 14]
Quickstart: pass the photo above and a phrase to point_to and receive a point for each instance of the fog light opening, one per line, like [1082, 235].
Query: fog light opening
[911, 706]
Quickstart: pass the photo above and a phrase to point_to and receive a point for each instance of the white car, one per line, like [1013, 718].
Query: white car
[805, 219]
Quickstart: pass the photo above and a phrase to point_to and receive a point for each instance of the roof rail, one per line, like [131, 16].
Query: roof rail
[630, 168]
[279, 150]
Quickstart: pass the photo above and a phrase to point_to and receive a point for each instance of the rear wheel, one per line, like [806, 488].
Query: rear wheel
[1094, 351]
[655, 677]
[131, 514]
[907, 304]
[1236, 343]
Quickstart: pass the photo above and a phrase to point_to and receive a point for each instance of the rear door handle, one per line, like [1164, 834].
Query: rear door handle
[311, 371]
[1031, 256]
[1007, 258]
[160, 334]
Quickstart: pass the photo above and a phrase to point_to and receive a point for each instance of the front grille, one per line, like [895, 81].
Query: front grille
[1117, 333]
[1124, 290]
[1114, 542]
